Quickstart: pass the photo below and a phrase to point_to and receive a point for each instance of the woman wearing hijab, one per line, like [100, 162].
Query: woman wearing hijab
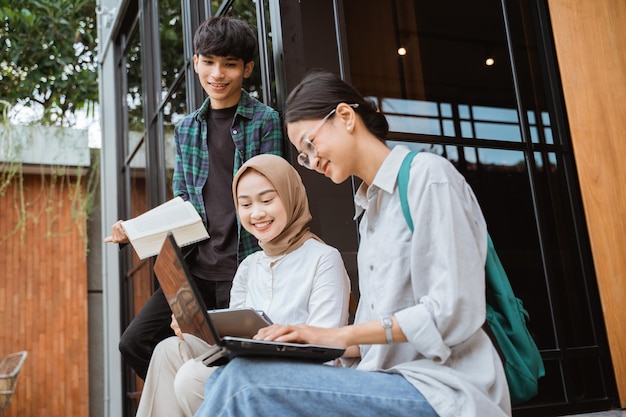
[296, 278]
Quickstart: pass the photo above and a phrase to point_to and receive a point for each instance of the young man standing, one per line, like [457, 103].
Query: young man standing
[211, 144]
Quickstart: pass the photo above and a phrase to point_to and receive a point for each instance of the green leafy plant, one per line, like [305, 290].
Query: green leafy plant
[47, 71]
[47, 57]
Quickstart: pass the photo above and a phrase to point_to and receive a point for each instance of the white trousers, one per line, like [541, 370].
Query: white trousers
[174, 384]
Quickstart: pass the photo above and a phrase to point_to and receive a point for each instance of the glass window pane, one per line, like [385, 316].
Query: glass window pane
[446, 109]
[446, 43]
[547, 132]
[171, 41]
[566, 269]
[134, 92]
[448, 128]
[215, 5]
[464, 112]
[503, 190]
[467, 130]
[494, 114]
[173, 111]
[414, 125]
[497, 131]
[531, 78]
[410, 107]
[415, 147]
[534, 135]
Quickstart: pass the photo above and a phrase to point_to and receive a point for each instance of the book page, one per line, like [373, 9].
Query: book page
[170, 215]
[148, 231]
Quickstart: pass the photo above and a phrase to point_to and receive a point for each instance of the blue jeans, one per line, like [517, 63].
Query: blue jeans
[278, 388]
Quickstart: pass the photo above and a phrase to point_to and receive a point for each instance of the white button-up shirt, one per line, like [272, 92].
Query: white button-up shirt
[307, 286]
[433, 281]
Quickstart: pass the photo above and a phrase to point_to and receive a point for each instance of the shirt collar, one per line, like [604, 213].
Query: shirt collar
[385, 179]
[245, 108]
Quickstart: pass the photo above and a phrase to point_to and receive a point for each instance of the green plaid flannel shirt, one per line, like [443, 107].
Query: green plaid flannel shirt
[256, 129]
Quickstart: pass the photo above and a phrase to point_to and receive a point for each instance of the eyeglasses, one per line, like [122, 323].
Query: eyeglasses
[308, 148]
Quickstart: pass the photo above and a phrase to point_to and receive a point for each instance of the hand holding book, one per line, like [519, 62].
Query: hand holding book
[147, 232]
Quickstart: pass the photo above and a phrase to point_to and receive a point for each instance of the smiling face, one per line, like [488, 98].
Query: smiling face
[259, 206]
[327, 146]
[222, 78]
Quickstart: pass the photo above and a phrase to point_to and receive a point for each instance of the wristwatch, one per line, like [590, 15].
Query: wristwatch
[387, 324]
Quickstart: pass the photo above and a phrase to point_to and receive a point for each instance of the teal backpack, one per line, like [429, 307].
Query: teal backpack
[506, 316]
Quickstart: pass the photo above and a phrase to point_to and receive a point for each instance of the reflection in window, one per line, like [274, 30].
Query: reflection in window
[490, 123]
[501, 157]
[171, 41]
[215, 5]
[475, 122]
[419, 125]
[135, 149]
[542, 128]
[138, 162]
[175, 108]
[447, 151]
[134, 93]
[495, 131]
[409, 107]
[546, 159]
[173, 112]
[417, 116]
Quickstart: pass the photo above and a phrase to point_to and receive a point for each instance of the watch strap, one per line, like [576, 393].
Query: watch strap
[387, 324]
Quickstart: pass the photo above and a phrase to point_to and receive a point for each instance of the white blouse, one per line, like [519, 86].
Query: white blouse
[309, 285]
[433, 281]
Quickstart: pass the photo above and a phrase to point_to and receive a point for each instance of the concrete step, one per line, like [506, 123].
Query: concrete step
[611, 413]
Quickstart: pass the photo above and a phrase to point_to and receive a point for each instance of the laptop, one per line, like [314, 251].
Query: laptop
[240, 322]
[189, 309]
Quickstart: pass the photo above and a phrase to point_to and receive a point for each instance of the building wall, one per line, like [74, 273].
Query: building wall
[590, 39]
[43, 295]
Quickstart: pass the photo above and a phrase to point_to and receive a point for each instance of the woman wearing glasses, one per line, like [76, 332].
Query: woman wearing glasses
[417, 347]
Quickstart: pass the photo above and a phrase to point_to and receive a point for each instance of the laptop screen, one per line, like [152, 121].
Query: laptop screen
[181, 292]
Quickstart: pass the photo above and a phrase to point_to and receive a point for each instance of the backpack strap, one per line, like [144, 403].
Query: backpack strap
[403, 185]
[505, 316]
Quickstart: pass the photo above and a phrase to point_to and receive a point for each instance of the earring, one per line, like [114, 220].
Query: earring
[349, 128]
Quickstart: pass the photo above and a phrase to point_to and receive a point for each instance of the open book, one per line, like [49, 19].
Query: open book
[148, 231]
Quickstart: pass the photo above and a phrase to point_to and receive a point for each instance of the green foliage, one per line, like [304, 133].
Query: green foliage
[47, 56]
[47, 64]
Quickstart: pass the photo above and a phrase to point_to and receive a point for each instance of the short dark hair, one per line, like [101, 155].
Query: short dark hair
[321, 91]
[225, 36]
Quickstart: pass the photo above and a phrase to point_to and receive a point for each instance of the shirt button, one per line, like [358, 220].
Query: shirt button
[372, 306]
[371, 267]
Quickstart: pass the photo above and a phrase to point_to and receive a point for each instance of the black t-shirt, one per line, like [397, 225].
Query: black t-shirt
[216, 258]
